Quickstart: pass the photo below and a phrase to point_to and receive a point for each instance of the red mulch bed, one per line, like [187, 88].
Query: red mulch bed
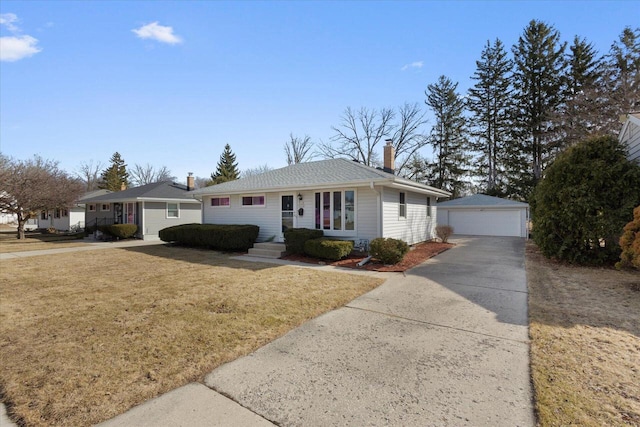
[417, 255]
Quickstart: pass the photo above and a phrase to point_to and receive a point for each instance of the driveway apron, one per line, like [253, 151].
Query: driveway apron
[445, 344]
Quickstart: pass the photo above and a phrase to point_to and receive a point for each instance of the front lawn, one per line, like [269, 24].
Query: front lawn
[585, 343]
[85, 336]
[36, 241]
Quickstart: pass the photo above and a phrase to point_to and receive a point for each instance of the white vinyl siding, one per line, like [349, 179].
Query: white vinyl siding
[267, 217]
[632, 140]
[416, 227]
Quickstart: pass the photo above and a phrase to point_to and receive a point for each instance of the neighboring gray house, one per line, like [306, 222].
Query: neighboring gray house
[151, 207]
[345, 199]
[630, 136]
[482, 215]
[69, 218]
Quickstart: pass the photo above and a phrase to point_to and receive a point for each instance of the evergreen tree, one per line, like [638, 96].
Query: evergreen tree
[115, 175]
[580, 114]
[538, 77]
[490, 103]
[449, 136]
[622, 78]
[227, 169]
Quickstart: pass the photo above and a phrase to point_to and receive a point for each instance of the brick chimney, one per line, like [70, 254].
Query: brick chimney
[191, 185]
[389, 157]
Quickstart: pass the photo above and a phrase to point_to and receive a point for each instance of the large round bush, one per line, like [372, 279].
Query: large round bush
[584, 201]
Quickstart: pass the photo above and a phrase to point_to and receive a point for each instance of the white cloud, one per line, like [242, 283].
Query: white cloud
[157, 32]
[16, 47]
[7, 19]
[416, 64]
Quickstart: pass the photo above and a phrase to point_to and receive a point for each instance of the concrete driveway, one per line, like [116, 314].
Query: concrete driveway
[445, 344]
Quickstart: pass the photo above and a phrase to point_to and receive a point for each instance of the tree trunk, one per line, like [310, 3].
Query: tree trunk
[21, 223]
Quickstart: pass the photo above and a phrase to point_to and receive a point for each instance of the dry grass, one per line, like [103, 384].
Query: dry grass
[35, 242]
[585, 349]
[81, 345]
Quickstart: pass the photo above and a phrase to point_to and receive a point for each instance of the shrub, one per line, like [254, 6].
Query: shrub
[213, 236]
[630, 243]
[294, 238]
[583, 202]
[389, 251]
[51, 230]
[443, 232]
[122, 231]
[327, 248]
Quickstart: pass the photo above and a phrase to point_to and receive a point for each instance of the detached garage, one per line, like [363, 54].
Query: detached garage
[482, 215]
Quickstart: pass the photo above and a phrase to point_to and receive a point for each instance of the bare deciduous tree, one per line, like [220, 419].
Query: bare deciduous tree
[255, 171]
[297, 149]
[408, 137]
[361, 131]
[89, 173]
[359, 134]
[148, 174]
[30, 186]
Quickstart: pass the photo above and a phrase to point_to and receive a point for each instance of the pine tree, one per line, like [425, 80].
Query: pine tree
[580, 114]
[449, 136]
[622, 78]
[490, 102]
[227, 169]
[115, 175]
[538, 77]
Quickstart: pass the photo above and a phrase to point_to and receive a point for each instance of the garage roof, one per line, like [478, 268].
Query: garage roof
[482, 200]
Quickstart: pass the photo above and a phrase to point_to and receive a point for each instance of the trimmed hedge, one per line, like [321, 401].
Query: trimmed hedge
[327, 248]
[389, 251]
[122, 231]
[213, 236]
[294, 239]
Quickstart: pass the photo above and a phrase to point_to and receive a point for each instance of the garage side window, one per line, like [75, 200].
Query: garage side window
[173, 210]
[429, 206]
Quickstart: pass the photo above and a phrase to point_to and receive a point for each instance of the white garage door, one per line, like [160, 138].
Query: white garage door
[486, 222]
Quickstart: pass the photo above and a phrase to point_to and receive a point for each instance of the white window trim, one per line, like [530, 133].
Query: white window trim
[331, 231]
[222, 206]
[102, 209]
[167, 210]
[400, 216]
[242, 205]
[92, 207]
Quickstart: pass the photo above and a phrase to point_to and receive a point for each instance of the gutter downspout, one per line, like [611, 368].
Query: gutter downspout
[378, 209]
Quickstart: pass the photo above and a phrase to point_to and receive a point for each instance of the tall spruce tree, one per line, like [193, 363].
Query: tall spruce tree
[115, 177]
[490, 104]
[227, 169]
[622, 78]
[537, 80]
[580, 112]
[449, 137]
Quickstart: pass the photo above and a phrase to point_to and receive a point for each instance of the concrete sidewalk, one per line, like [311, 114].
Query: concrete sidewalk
[445, 344]
[90, 246]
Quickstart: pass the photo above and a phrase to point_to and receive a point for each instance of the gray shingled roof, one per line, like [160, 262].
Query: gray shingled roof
[156, 191]
[322, 173]
[481, 200]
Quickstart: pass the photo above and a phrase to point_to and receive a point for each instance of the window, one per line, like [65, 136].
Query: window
[403, 206]
[335, 210]
[220, 201]
[43, 215]
[105, 207]
[65, 212]
[428, 206]
[56, 213]
[252, 200]
[92, 207]
[173, 210]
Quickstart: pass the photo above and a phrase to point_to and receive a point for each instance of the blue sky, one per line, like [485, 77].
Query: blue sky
[170, 83]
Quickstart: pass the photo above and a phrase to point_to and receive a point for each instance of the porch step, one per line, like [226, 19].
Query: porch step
[268, 250]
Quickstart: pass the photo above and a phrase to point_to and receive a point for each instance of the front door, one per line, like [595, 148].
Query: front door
[286, 214]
